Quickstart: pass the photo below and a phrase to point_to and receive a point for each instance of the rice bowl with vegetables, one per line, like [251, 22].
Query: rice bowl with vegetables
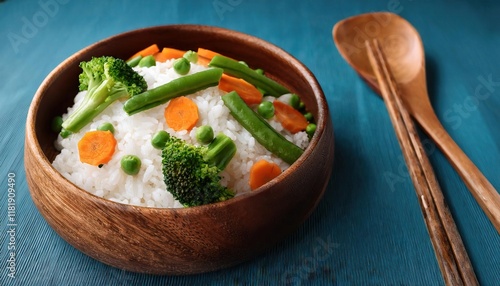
[135, 131]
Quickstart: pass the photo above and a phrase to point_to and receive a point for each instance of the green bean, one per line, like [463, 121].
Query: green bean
[260, 129]
[205, 134]
[107, 127]
[181, 86]
[159, 139]
[266, 109]
[191, 56]
[236, 69]
[65, 133]
[182, 66]
[147, 61]
[134, 61]
[260, 71]
[130, 164]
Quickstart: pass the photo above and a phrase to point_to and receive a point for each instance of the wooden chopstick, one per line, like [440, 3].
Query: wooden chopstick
[451, 255]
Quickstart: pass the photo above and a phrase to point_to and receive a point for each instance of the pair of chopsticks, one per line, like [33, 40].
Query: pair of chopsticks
[450, 252]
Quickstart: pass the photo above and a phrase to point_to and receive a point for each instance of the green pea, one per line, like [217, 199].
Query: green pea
[310, 129]
[243, 63]
[130, 164]
[159, 139]
[107, 127]
[302, 106]
[56, 124]
[259, 71]
[266, 109]
[309, 117]
[191, 56]
[204, 134]
[147, 61]
[295, 101]
[182, 66]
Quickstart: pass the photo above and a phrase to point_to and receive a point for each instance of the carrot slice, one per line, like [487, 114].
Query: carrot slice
[96, 147]
[203, 61]
[290, 118]
[169, 53]
[205, 56]
[262, 172]
[150, 50]
[206, 53]
[248, 92]
[181, 113]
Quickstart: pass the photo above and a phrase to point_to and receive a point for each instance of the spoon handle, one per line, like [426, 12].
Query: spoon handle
[482, 190]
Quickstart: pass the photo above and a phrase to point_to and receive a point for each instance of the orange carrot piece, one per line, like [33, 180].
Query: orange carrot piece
[290, 118]
[181, 113]
[262, 172]
[248, 92]
[150, 50]
[206, 53]
[96, 147]
[170, 53]
[160, 57]
[203, 61]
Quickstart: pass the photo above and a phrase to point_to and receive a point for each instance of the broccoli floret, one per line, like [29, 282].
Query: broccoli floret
[106, 79]
[191, 173]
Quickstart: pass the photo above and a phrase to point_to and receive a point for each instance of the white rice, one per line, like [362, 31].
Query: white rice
[134, 133]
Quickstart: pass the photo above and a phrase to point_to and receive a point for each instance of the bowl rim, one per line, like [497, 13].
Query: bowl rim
[321, 119]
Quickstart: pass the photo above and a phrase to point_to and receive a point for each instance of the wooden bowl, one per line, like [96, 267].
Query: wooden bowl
[189, 240]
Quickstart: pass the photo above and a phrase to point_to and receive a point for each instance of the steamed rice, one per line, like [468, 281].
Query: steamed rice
[134, 133]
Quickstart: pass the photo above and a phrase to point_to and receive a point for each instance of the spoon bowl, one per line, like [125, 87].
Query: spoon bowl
[405, 54]
[400, 41]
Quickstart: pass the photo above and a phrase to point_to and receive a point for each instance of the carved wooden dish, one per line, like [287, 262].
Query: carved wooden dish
[178, 241]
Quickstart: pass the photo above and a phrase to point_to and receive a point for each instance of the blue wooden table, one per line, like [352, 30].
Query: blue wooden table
[368, 229]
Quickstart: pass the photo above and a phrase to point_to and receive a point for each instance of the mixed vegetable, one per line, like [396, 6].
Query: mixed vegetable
[106, 79]
[191, 173]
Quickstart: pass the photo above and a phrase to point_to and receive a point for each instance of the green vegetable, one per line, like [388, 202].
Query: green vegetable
[236, 69]
[309, 116]
[295, 101]
[107, 127]
[159, 139]
[130, 164]
[64, 133]
[56, 124]
[205, 134]
[182, 66]
[147, 61]
[260, 129]
[134, 61]
[181, 86]
[191, 56]
[291, 99]
[191, 173]
[266, 109]
[106, 80]
[310, 129]
[302, 106]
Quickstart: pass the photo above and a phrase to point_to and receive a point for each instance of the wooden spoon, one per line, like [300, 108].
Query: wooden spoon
[405, 54]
